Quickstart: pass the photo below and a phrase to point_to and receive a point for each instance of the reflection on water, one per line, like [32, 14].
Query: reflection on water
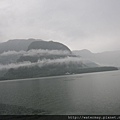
[93, 93]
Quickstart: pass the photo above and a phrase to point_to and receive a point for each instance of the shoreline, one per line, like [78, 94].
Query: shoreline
[55, 76]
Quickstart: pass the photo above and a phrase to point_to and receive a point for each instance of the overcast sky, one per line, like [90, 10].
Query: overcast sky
[79, 24]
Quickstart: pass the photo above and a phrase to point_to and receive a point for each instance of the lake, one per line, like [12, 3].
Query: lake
[81, 94]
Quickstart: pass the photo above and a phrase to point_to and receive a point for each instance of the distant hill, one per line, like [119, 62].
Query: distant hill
[26, 45]
[48, 45]
[32, 58]
[108, 58]
[15, 45]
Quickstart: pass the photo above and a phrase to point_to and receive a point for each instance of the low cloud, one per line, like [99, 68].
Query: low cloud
[45, 62]
[37, 52]
[15, 65]
[12, 53]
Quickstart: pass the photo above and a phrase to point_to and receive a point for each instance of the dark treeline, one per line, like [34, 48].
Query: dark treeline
[51, 70]
[36, 58]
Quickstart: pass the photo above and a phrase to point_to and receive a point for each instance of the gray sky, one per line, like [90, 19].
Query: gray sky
[80, 24]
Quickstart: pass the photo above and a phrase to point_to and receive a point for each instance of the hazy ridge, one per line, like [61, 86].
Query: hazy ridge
[107, 58]
[42, 58]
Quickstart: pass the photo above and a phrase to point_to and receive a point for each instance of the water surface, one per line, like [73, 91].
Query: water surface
[83, 94]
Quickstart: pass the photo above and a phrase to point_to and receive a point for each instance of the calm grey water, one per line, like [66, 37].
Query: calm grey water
[92, 93]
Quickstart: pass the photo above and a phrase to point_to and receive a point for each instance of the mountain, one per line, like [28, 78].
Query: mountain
[7, 59]
[49, 45]
[108, 58]
[54, 69]
[44, 58]
[10, 50]
[46, 46]
[15, 45]
[83, 52]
